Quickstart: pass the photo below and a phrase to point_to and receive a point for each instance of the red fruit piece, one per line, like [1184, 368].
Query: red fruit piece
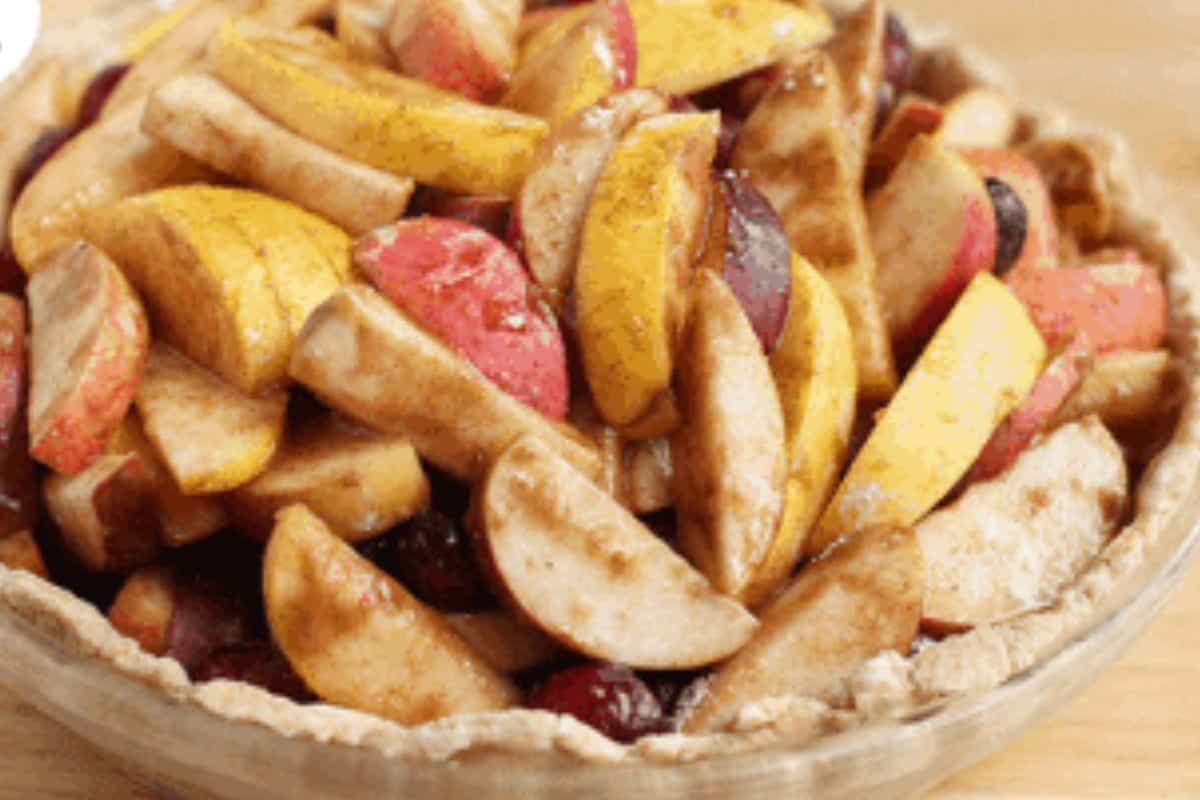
[208, 616]
[731, 127]
[434, 557]
[624, 41]
[469, 289]
[12, 366]
[41, 151]
[609, 697]
[12, 277]
[96, 95]
[897, 68]
[256, 663]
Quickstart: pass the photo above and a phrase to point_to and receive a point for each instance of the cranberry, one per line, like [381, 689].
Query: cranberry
[38, 154]
[897, 68]
[257, 663]
[434, 557]
[731, 127]
[208, 617]
[609, 697]
[1012, 224]
[97, 93]
[12, 277]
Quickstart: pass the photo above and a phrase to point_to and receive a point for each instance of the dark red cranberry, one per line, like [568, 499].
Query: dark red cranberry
[433, 555]
[38, 154]
[12, 277]
[207, 618]
[257, 663]
[897, 68]
[731, 127]
[97, 93]
[609, 697]
[1012, 224]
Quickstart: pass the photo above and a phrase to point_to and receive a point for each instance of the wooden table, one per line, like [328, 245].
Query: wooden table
[1131, 64]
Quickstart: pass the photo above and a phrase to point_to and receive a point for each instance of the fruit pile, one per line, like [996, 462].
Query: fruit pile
[451, 356]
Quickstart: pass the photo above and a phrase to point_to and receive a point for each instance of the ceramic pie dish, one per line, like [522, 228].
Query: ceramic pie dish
[907, 723]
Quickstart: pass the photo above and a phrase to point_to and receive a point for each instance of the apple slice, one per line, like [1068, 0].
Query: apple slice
[144, 608]
[550, 210]
[1021, 174]
[489, 212]
[508, 644]
[31, 108]
[536, 19]
[471, 291]
[980, 364]
[359, 483]
[360, 640]
[729, 452]
[979, 117]
[106, 513]
[211, 436]
[376, 117]
[801, 122]
[933, 229]
[1123, 388]
[818, 388]
[1011, 544]
[20, 551]
[861, 599]
[362, 28]
[451, 413]
[13, 367]
[582, 568]
[913, 116]
[87, 350]
[1061, 378]
[647, 472]
[857, 51]
[643, 226]
[205, 119]
[1076, 171]
[290, 13]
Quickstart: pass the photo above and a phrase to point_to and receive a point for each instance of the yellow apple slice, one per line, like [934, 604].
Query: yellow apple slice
[362, 29]
[638, 240]
[857, 52]
[211, 436]
[796, 151]
[510, 645]
[729, 452]
[817, 384]
[360, 640]
[376, 117]
[862, 599]
[1123, 388]
[358, 347]
[981, 117]
[980, 364]
[290, 13]
[580, 566]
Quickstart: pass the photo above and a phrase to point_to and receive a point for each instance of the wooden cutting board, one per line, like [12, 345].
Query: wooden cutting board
[1133, 65]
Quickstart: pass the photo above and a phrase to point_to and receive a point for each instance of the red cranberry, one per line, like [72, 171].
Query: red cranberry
[897, 68]
[609, 697]
[207, 618]
[1012, 224]
[38, 154]
[12, 277]
[433, 555]
[731, 127]
[257, 663]
[97, 93]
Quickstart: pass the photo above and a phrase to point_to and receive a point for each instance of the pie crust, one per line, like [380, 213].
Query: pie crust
[889, 687]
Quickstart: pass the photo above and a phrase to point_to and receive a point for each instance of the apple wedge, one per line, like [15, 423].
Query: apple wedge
[452, 414]
[359, 483]
[360, 640]
[913, 116]
[87, 349]
[376, 117]
[290, 13]
[491, 212]
[31, 108]
[205, 119]
[643, 226]
[109, 161]
[801, 122]
[211, 436]
[861, 599]
[857, 52]
[980, 364]
[647, 472]
[1041, 237]
[14, 366]
[509, 645]
[144, 607]
[362, 29]
[551, 207]
[817, 386]
[582, 568]
[20, 551]
[730, 468]
[979, 117]
[1076, 171]
[106, 513]
[1011, 544]
[1123, 388]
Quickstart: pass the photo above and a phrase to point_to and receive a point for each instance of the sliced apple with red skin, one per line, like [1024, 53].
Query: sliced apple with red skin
[144, 607]
[913, 116]
[510, 645]
[580, 566]
[1118, 306]
[1022, 175]
[471, 291]
[1123, 388]
[980, 117]
[13, 366]
[20, 551]
[729, 451]
[453, 415]
[1061, 378]
[1011, 544]
[360, 640]
[106, 513]
[857, 50]
[1078, 172]
[861, 599]
[933, 229]
[87, 350]
[549, 212]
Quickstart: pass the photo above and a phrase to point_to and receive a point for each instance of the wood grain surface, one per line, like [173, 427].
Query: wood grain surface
[1133, 65]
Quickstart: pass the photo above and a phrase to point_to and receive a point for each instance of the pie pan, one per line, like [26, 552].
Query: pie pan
[225, 740]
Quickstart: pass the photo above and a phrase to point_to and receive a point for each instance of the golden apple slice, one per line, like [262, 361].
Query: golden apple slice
[913, 116]
[588, 573]
[795, 150]
[20, 551]
[205, 119]
[359, 483]
[1076, 171]
[358, 347]
[30, 109]
[109, 161]
[150, 31]
[818, 390]
[647, 472]
[1011, 544]
[857, 52]
[362, 29]
[549, 33]
[687, 45]
[376, 117]
[291, 13]
[360, 640]
[1123, 388]
[642, 228]
[211, 436]
[979, 365]
[507, 643]
[979, 118]
[862, 599]
[729, 452]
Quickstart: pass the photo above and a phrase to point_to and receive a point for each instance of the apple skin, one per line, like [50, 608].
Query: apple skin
[13, 366]
[914, 116]
[1042, 235]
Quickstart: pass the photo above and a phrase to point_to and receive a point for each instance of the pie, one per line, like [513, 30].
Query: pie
[518, 382]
